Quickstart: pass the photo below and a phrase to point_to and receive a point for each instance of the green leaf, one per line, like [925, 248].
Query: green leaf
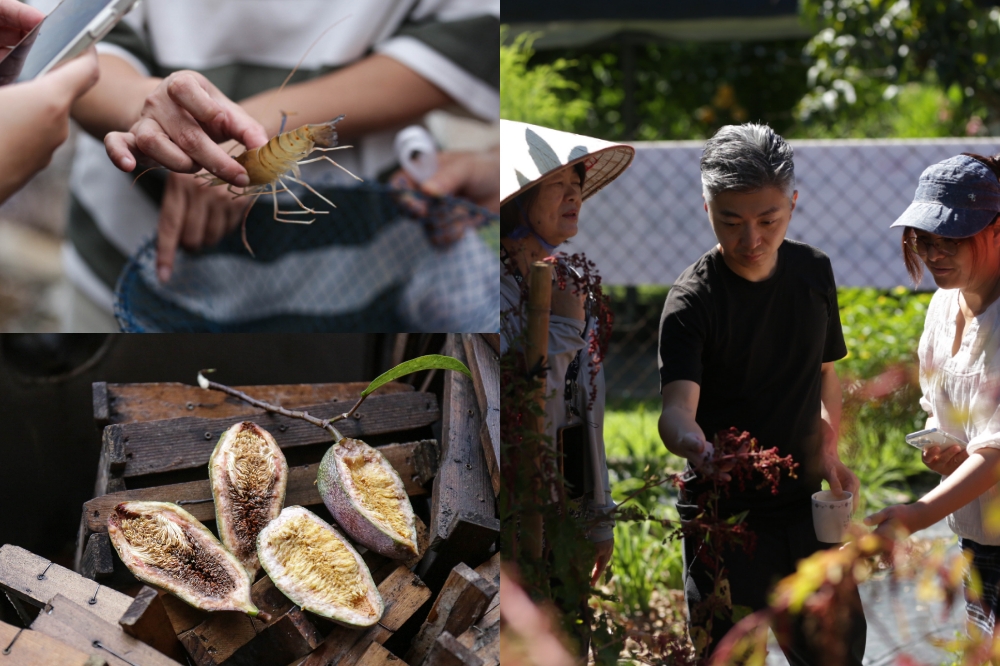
[740, 612]
[416, 365]
[738, 518]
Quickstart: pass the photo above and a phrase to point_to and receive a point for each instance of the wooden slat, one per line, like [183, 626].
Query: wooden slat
[463, 484]
[483, 638]
[182, 616]
[413, 461]
[494, 341]
[124, 403]
[289, 637]
[447, 651]
[470, 539]
[162, 446]
[403, 593]
[32, 648]
[98, 562]
[486, 379]
[462, 601]
[146, 619]
[102, 408]
[376, 655]
[19, 572]
[223, 633]
[79, 628]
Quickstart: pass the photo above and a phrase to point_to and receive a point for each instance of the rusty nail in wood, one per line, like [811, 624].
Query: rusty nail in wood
[41, 576]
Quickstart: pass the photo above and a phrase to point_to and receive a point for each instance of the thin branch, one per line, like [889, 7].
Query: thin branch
[326, 424]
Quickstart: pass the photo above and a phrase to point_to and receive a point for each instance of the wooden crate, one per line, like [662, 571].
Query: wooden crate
[156, 441]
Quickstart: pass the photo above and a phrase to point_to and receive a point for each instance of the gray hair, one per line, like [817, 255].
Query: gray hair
[746, 158]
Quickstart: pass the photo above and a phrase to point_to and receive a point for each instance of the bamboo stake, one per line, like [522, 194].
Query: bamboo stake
[539, 304]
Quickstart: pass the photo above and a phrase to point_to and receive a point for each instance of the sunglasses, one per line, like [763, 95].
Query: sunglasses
[921, 245]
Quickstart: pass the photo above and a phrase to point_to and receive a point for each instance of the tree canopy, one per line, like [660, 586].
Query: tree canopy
[875, 68]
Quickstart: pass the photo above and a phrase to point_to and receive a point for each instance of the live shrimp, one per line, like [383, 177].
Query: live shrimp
[278, 160]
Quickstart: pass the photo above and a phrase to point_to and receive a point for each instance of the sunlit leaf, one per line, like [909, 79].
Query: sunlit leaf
[431, 361]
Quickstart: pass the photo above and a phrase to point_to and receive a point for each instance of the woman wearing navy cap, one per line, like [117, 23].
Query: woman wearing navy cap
[951, 229]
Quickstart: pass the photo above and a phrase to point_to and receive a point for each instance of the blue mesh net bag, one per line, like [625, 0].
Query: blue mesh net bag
[383, 260]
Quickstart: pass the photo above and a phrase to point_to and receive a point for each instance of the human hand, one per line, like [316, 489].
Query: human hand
[839, 476]
[604, 551]
[473, 175]
[16, 20]
[179, 126]
[469, 175]
[894, 523]
[34, 119]
[699, 451]
[944, 462]
[194, 215]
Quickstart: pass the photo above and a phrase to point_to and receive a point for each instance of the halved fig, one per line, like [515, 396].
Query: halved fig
[249, 475]
[367, 498]
[166, 546]
[318, 569]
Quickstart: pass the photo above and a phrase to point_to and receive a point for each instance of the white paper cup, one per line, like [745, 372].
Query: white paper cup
[831, 516]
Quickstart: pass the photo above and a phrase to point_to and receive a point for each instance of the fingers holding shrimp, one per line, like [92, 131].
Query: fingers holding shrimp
[179, 125]
[193, 216]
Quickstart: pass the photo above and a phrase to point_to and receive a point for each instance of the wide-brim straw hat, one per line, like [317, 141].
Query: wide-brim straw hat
[528, 153]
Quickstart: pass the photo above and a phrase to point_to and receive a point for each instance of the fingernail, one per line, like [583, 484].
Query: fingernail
[242, 180]
[163, 273]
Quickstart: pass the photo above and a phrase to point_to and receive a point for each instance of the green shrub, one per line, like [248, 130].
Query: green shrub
[643, 562]
[539, 94]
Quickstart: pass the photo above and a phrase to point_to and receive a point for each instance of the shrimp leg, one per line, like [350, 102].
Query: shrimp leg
[324, 157]
[305, 208]
[274, 197]
[309, 187]
[243, 229]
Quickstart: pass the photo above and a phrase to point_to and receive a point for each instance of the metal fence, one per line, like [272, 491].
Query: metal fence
[649, 225]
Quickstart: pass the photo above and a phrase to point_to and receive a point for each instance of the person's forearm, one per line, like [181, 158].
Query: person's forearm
[115, 102]
[674, 422]
[373, 94]
[831, 400]
[972, 478]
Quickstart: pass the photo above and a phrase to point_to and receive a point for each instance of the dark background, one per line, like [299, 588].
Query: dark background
[49, 445]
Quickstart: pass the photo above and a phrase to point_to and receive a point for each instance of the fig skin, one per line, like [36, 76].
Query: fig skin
[311, 580]
[242, 513]
[176, 539]
[348, 511]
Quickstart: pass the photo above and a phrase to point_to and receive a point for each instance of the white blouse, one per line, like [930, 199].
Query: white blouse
[962, 393]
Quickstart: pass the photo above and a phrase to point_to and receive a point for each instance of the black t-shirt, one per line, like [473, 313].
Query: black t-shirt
[756, 349]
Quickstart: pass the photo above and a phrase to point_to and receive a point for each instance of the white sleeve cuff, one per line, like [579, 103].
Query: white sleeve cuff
[124, 54]
[477, 96]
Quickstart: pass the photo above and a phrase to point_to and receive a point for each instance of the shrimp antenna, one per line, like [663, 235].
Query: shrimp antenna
[144, 172]
[315, 42]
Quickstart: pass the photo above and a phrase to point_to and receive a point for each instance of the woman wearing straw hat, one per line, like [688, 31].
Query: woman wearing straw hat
[545, 175]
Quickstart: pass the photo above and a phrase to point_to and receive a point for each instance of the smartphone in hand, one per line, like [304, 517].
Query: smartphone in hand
[68, 30]
[933, 437]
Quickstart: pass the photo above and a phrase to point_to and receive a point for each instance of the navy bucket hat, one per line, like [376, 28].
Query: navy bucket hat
[955, 198]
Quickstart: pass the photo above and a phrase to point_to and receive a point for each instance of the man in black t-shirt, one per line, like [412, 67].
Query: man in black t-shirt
[748, 338]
